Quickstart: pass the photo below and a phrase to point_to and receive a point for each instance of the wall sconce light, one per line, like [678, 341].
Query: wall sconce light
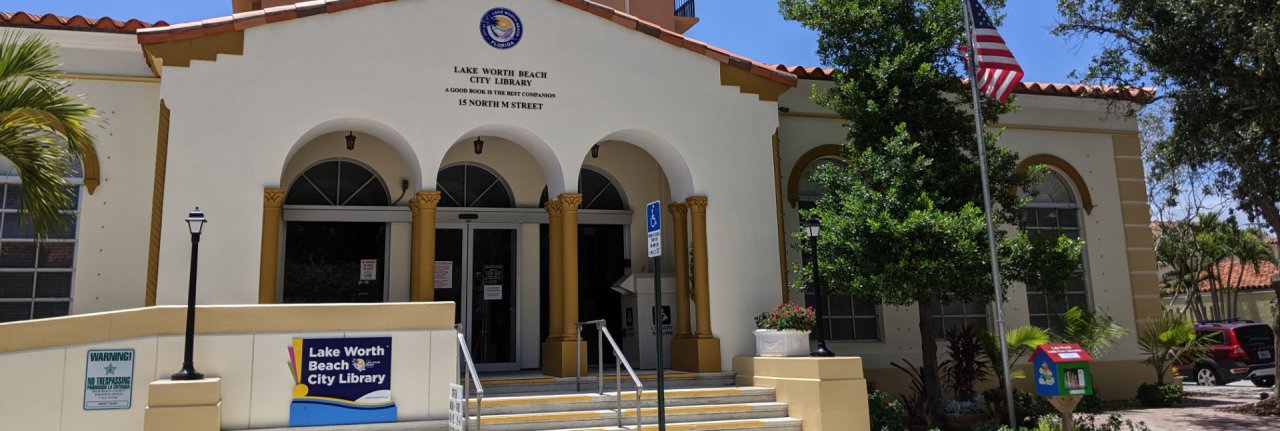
[351, 141]
[479, 145]
[595, 151]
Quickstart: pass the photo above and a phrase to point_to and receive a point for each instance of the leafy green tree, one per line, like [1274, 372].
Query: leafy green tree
[42, 129]
[902, 218]
[1213, 252]
[1215, 62]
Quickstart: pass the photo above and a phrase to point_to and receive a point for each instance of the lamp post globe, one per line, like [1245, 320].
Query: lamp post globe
[195, 223]
[812, 227]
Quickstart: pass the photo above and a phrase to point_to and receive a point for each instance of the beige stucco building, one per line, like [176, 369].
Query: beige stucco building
[387, 151]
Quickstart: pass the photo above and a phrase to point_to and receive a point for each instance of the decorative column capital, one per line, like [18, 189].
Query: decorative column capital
[678, 210]
[553, 207]
[423, 201]
[569, 202]
[272, 198]
[697, 204]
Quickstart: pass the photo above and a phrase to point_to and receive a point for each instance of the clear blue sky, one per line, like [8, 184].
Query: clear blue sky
[747, 27]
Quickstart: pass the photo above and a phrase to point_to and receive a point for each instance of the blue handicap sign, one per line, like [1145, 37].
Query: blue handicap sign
[653, 213]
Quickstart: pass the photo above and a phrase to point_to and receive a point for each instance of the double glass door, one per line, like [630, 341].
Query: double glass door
[476, 268]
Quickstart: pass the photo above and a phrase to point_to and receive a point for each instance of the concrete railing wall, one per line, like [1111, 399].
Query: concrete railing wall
[42, 362]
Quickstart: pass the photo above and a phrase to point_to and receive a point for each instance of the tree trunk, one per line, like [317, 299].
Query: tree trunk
[929, 352]
[1272, 215]
[1275, 337]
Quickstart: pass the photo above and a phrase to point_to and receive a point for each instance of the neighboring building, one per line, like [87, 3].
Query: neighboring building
[367, 151]
[1255, 298]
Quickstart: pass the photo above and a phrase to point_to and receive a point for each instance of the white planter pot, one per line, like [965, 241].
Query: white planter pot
[781, 343]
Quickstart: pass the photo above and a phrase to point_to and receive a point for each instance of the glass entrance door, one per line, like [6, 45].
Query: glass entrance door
[479, 262]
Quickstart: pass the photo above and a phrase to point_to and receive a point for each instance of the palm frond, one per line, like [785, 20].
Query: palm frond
[28, 56]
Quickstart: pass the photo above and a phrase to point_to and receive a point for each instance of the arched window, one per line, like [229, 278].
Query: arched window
[847, 318]
[340, 182]
[1054, 210]
[599, 192]
[809, 191]
[472, 185]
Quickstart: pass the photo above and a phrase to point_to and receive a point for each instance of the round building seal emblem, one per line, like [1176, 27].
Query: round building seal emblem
[501, 28]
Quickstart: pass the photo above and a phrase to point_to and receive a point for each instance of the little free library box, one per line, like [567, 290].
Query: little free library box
[1062, 370]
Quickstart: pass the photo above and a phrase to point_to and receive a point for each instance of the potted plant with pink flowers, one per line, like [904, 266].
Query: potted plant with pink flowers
[784, 331]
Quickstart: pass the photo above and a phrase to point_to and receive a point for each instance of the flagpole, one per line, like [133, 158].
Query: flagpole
[971, 65]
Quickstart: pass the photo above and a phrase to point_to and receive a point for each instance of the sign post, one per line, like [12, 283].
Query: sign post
[653, 217]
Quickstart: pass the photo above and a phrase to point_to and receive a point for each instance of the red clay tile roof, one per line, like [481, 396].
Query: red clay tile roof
[241, 21]
[78, 22]
[1040, 88]
[1259, 278]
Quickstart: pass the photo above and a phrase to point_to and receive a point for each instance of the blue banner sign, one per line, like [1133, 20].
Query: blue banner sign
[341, 381]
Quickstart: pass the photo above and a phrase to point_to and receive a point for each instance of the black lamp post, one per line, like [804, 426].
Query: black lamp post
[811, 227]
[195, 222]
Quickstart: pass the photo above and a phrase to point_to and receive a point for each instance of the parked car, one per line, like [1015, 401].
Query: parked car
[1237, 350]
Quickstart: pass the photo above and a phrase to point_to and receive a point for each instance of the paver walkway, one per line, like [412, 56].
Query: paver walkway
[1201, 411]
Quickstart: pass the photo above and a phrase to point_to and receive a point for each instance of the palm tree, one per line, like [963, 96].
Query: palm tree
[42, 129]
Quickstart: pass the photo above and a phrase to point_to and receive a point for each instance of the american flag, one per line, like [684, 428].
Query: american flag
[998, 72]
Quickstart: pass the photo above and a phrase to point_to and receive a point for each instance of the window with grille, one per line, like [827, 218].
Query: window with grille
[954, 314]
[470, 185]
[35, 276]
[340, 182]
[1053, 211]
[846, 317]
[599, 192]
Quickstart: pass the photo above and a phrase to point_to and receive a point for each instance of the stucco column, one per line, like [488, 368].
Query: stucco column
[422, 266]
[679, 212]
[272, 205]
[555, 271]
[699, 352]
[701, 291]
[569, 203]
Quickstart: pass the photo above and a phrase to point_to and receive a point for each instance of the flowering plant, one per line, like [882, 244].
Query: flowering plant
[787, 317]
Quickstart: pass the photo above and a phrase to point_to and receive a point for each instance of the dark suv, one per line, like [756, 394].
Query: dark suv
[1238, 350]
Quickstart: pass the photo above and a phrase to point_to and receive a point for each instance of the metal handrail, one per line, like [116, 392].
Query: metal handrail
[602, 332]
[474, 379]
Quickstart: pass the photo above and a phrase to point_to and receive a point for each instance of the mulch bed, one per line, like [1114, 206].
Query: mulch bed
[1267, 407]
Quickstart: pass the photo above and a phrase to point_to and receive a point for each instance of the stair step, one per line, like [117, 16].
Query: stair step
[607, 418]
[609, 400]
[788, 424]
[546, 384]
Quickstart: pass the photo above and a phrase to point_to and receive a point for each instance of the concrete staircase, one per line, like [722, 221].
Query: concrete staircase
[707, 401]
[713, 408]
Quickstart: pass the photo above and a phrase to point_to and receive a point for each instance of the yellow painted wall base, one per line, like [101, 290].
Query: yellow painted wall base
[699, 355]
[557, 358]
[184, 405]
[1113, 380]
[825, 393]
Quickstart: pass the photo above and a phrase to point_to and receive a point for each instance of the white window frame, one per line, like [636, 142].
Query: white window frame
[74, 239]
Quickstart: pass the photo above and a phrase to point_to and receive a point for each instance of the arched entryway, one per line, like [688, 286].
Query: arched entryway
[343, 227]
[333, 260]
[477, 261]
[603, 256]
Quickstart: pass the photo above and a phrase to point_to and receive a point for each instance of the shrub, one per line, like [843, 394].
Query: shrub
[1151, 395]
[887, 413]
[966, 362]
[787, 317]
[1114, 422]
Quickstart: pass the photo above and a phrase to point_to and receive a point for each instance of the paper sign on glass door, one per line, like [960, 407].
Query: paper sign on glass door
[368, 269]
[444, 274]
[493, 292]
